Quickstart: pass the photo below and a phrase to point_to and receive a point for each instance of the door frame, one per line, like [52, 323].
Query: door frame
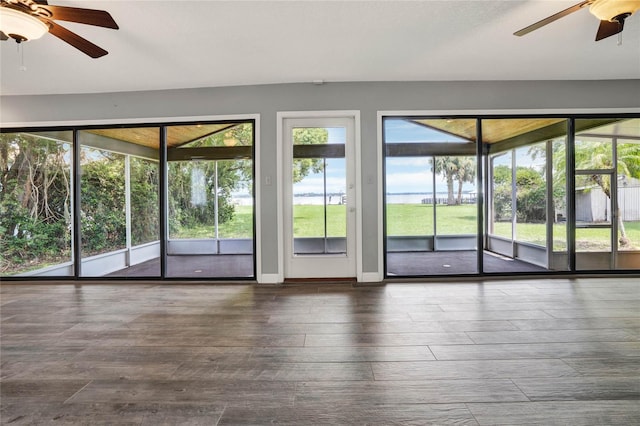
[613, 226]
[280, 136]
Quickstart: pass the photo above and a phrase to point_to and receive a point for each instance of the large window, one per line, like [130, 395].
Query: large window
[210, 200]
[527, 210]
[107, 210]
[119, 202]
[431, 196]
[36, 218]
[607, 194]
[177, 200]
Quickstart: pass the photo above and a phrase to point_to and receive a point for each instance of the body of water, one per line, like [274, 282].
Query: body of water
[336, 199]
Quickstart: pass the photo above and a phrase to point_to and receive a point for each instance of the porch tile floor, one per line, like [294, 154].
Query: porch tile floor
[453, 262]
[202, 266]
[403, 264]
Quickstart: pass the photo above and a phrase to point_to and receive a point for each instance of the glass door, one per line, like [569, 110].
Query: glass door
[210, 200]
[319, 198]
[430, 181]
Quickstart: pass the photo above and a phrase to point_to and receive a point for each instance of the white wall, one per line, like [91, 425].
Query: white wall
[367, 97]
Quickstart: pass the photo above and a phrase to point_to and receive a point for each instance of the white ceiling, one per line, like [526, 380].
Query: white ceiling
[187, 44]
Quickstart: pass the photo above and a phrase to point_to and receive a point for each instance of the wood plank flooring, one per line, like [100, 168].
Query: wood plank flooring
[542, 351]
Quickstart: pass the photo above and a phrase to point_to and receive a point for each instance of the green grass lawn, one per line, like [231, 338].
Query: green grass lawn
[308, 221]
[415, 219]
[241, 226]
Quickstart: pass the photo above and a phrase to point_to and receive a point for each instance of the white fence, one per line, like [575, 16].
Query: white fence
[592, 205]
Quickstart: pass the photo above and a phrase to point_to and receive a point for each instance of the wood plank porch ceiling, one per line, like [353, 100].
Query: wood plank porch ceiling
[150, 136]
[493, 130]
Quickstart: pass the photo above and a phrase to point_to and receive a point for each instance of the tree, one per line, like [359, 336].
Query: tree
[102, 198]
[145, 217]
[466, 173]
[530, 195]
[308, 136]
[455, 169]
[448, 168]
[502, 200]
[597, 155]
[34, 201]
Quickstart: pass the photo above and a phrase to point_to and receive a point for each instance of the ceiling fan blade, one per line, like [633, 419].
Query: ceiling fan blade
[76, 41]
[608, 28]
[552, 18]
[3, 36]
[99, 18]
[41, 1]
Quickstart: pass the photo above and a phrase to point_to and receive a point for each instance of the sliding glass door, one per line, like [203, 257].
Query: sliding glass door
[431, 197]
[210, 201]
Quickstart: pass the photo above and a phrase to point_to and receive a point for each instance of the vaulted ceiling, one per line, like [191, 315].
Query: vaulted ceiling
[207, 43]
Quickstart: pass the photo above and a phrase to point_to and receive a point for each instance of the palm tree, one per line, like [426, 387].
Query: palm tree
[455, 169]
[448, 168]
[598, 155]
[466, 173]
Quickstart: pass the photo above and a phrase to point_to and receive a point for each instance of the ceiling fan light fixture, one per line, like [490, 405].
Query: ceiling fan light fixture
[21, 26]
[610, 10]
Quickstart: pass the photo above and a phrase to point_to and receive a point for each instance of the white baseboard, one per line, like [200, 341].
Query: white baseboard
[269, 279]
[371, 277]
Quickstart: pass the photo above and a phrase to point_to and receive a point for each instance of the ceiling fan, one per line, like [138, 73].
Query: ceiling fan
[23, 20]
[611, 13]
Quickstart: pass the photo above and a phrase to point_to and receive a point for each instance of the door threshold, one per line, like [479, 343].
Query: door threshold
[336, 280]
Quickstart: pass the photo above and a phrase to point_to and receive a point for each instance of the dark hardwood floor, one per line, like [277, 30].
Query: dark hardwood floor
[543, 351]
